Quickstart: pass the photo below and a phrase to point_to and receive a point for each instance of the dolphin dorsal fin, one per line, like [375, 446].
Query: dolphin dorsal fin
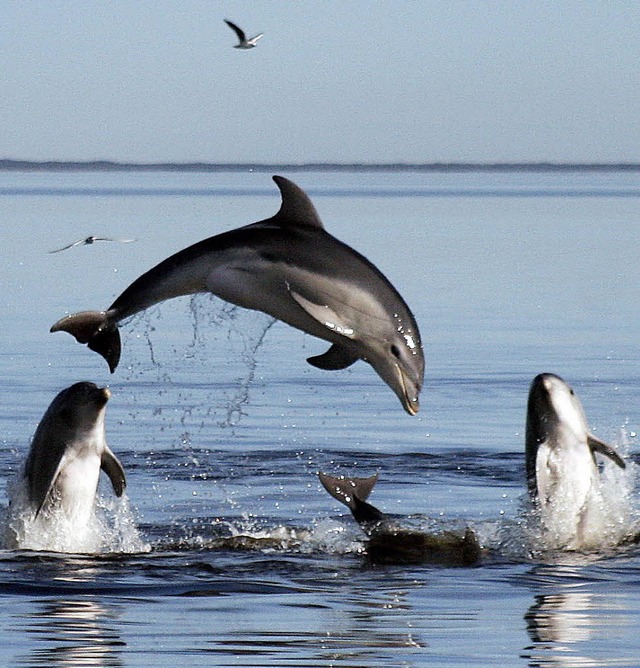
[296, 207]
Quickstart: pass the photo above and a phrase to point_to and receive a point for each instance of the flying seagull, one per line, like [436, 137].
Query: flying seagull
[243, 42]
[90, 240]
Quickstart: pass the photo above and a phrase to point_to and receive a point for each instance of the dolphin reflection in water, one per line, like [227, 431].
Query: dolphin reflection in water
[388, 541]
[289, 267]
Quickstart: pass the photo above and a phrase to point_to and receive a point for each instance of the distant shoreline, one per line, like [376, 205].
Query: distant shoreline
[112, 166]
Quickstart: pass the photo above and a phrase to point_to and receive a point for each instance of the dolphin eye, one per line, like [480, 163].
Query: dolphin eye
[395, 351]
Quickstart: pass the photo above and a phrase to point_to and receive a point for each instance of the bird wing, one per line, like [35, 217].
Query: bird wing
[238, 31]
[71, 245]
[122, 241]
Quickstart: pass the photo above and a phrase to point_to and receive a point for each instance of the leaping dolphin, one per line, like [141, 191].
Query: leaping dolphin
[68, 450]
[390, 542]
[561, 466]
[289, 267]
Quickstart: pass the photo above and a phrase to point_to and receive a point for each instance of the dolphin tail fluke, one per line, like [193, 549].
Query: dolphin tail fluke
[596, 445]
[96, 330]
[113, 468]
[353, 492]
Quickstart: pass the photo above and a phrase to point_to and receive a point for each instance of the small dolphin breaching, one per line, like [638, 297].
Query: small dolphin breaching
[289, 267]
[68, 450]
[389, 542]
[60, 476]
[562, 475]
[243, 41]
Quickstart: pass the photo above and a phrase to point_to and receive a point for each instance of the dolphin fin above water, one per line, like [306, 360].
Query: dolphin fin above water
[596, 445]
[110, 464]
[289, 267]
[354, 492]
[96, 330]
[391, 543]
[334, 359]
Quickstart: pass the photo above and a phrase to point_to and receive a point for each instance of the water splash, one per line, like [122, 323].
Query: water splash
[223, 336]
[111, 527]
[609, 518]
[251, 534]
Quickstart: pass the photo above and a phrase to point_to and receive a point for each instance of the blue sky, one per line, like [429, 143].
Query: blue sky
[330, 81]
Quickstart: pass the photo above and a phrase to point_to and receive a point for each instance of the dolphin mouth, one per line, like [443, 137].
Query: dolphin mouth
[411, 403]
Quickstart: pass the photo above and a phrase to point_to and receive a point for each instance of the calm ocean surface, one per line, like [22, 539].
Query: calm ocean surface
[222, 426]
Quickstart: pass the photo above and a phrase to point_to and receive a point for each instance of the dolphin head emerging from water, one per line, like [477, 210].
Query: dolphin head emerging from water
[69, 449]
[556, 424]
[561, 467]
[289, 267]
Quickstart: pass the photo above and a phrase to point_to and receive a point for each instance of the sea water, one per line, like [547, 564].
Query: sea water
[226, 550]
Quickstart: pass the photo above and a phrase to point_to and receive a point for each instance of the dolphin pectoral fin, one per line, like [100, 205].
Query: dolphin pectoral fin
[335, 358]
[96, 330]
[42, 482]
[596, 445]
[543, 473]
[40, 507]
[113, 468]
[324, 315]
[40, 501]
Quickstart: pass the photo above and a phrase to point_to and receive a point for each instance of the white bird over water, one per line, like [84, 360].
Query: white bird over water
[90, 240]
[243, 42]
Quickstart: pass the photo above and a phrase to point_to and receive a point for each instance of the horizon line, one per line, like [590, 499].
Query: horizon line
[10, 164]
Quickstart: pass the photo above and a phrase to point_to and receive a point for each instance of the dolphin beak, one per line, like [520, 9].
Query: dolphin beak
[409, 396]
[105, 393]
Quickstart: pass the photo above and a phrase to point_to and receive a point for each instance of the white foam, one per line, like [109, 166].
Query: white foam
[608, 518]
[109, 527]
